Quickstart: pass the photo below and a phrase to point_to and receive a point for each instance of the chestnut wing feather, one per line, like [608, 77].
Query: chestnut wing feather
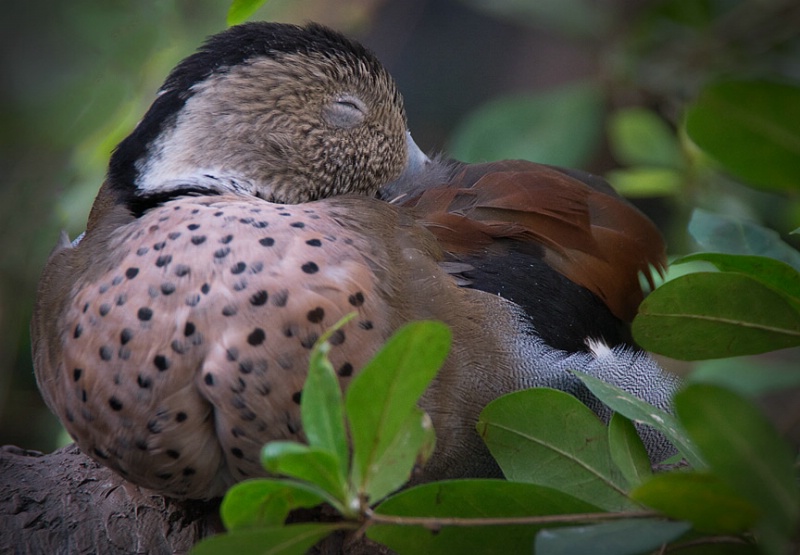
[573, 221]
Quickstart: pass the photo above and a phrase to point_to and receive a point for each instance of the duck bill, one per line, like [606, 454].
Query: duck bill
[417, 161]
[409, 180]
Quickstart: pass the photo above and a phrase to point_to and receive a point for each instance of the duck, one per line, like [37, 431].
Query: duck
[272, 188]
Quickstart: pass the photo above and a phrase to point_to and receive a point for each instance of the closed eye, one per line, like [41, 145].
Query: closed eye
[349, 104]
[352, 102]
[345, 111]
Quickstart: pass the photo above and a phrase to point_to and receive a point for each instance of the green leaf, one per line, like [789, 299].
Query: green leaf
[295, 539]
[752, 128]
[548, 437]
[263, 502]
[747, 377]
[745, 452]
[382, 398]
[637, 410]
[773, 273]
[729, 235]
[241, 10]
[715, 315]
[322, 407]
[471, 499]
[310, 464]
[627, 450]
[621, 537]
[413, 443]
[700, 498]
[646, 181]
[561, 127]
[638, 137]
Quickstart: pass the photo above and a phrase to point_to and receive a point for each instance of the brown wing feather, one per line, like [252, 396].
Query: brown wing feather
[587, 233]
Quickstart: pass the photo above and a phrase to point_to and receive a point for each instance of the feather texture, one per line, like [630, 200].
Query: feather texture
[581, 229]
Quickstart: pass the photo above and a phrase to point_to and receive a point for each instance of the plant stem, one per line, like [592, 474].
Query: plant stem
[434, 523]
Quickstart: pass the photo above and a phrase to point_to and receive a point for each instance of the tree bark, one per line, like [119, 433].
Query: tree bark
[66, 503]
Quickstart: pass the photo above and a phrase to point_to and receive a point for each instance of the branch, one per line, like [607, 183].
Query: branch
[66, 503]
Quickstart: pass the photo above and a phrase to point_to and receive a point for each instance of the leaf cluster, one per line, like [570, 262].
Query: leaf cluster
[572, 483]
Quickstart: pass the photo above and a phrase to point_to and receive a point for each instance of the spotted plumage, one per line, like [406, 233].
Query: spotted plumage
[248, 212]
[215, 302]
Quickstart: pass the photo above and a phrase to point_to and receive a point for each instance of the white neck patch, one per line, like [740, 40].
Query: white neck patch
[169, 167]
[201, 178]
[189, 154]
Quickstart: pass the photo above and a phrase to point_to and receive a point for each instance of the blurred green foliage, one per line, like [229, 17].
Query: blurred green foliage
[531, 127]
[751, 129]
[78, 76]
[242, 10]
